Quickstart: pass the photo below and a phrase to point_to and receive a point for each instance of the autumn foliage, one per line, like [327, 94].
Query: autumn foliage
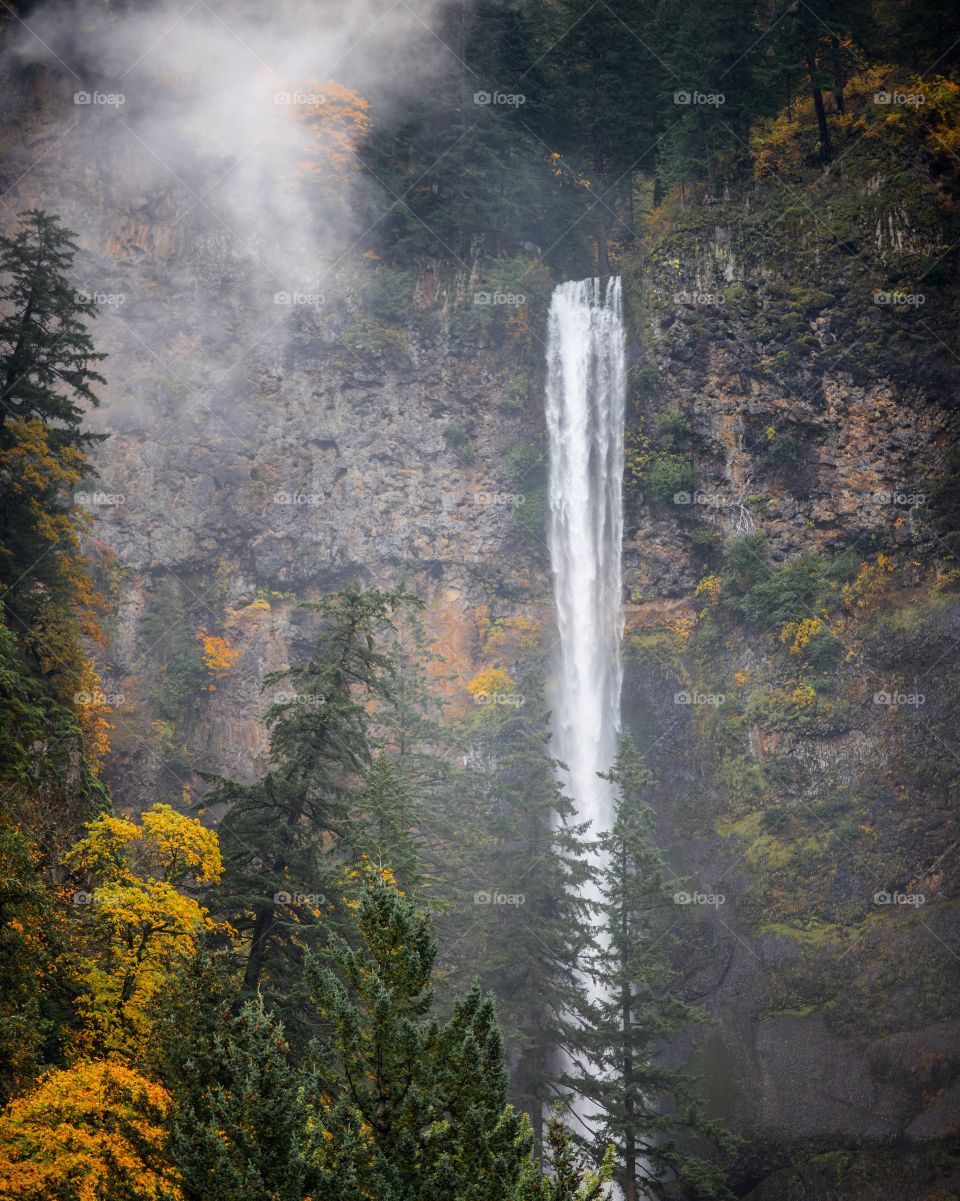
[93, 1132]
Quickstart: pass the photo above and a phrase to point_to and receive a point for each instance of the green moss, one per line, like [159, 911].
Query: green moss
[815, 934]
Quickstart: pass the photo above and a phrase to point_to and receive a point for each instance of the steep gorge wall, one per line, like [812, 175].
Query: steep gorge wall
[792, 788]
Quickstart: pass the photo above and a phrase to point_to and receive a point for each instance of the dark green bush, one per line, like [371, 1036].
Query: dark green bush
[668, 475]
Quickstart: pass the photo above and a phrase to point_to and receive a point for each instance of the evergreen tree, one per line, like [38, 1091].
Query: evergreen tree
[646, 1110]
[247, 1138]
[277, 833]
[565, 1175]
[24, 910]
[381, 828]
[188, 1015]
[46, 354]
[411, 1111]
[532, 945]
[47, 374]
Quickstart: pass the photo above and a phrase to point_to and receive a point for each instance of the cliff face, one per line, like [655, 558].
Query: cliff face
[262, 452]
[270, 440]
[799, 718]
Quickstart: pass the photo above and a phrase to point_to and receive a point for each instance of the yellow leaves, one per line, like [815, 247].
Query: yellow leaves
[218, 656]
[869, 585]
[680, 630]
[802, 696]
[92, 710]
[92, 1131]
[799, 633]
[134, 923]
[711, 587]
[490, 682]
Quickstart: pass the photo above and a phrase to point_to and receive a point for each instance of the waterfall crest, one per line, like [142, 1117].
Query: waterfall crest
[585, 399]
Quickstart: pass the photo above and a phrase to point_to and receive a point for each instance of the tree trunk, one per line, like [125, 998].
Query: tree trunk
[262, 930]
[629, 1136]
[711, 168]
[839, 80]
[826, 149]
[810, 60]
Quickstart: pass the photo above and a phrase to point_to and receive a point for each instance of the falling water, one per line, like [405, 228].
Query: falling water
[586, 386]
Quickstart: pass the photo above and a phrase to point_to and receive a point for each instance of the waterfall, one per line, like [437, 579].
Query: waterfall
[586, 386]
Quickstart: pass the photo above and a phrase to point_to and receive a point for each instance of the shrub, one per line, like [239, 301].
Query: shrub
[667, 475]
[670, 429]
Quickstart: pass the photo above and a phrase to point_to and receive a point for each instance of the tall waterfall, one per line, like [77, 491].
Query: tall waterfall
[586, 386]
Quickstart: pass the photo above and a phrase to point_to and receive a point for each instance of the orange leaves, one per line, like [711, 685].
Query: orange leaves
[218, 657]
[338, 119]
[92, 710]
[93, 1131]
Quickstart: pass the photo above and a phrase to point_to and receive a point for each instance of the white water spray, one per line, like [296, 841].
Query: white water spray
[586, 388]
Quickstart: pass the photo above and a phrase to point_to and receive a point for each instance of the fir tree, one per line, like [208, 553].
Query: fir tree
[565, 1175]
[46, 354]
[47, 375]
[247, 1137]
[381, 829]
[648, 1111]
[411, 1111]
[533, 946]
[278, 831]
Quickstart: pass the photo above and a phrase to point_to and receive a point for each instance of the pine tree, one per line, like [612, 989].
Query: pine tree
[246, 1139]
[46, 354]
[565, 1175]
[278, 831]
[411, 1111]
[47, 374]
[532, 924]
[381, 828]
[648, 1111]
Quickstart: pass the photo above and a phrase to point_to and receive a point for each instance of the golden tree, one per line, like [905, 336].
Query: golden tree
[135, 922]
[92, 1132]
